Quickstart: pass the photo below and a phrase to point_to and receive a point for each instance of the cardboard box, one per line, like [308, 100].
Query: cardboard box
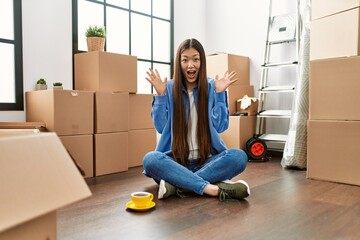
[105, 71]
[111, 153]
[235, 92]
[323, 8]
[111, 112]
[65, 112]
[334, 89]
[332, 154]
[140, 111]
[218, 64]
[335, 36]
[80, 147]
[249, 110]
[140, 143]
[241, 129]
[41, 126]
[34, 183]
[43, 227]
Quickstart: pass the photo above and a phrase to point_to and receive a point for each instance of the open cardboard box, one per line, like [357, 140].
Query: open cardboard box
[34, 183]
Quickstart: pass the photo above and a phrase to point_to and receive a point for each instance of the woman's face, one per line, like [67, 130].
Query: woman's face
[190, 65]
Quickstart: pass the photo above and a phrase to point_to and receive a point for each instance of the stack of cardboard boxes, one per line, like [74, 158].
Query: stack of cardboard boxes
[70, 115]
[241, 128]
[334, 115]
[120, 122]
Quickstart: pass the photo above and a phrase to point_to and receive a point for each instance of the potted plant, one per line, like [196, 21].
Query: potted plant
[41, 84]
[57, 85]
[95, 38]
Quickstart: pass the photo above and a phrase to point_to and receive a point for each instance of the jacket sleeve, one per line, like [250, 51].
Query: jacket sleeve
[159, 112]
[219, 111]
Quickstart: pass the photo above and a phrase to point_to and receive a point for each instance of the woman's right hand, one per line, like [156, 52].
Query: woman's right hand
[155, 80]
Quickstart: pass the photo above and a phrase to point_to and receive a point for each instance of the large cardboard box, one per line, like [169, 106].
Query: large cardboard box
[111, 112]
[323, 8]
[65, 112]
[140, 111]
[236, 92]
[334, 89]
[332, 154]
[218, 64]
[80, 147]
[241, 129]
[335, 36]
[105, 71]
[34, 183]
[111, 153]
[140, 142]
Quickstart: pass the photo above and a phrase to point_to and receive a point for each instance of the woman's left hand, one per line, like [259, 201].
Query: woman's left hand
[221, 84]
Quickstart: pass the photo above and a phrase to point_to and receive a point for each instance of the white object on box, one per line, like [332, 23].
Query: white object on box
[245, 102]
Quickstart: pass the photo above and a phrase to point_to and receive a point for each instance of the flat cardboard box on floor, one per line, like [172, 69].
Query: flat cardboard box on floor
[332, 151]
[241, 129]
[323, 8]
[111, 112]
[17, 132]
[111, 153]
[65, 112]
[140, 143]
[34, 183]
[140, 111]
[218, 64]
[80, 147]
[335, 36]
[105, 71]
[334, 89]
[235, 92]
[41, 126]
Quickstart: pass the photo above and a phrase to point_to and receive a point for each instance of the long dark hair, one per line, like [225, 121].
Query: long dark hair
[180, 147]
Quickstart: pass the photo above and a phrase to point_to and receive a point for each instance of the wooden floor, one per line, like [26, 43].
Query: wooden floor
[283, 205]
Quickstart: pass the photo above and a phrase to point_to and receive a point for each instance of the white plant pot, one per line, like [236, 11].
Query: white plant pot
[40, 87]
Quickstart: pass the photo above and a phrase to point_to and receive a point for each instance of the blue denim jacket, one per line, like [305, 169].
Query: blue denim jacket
[162, 115]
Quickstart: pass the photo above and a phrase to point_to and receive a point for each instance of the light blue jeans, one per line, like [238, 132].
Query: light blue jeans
[217, 168]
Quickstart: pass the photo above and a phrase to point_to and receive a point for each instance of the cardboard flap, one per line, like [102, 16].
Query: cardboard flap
[37, 176]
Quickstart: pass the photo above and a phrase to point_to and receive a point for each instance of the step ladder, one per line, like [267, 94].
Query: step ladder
[281, 30]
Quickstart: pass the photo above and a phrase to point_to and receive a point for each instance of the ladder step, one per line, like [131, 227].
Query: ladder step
[280, 88]
[275, 113]
[274, 137]
[280, 64]
[281, 41]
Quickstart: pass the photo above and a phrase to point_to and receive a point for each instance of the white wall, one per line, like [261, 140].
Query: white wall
[47, 47]
[238, 27]
[189, 21]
